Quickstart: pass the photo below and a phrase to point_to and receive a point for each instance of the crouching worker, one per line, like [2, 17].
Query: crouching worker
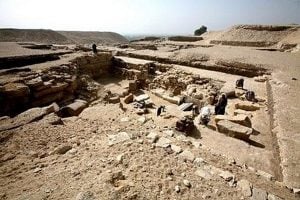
[250, 96]
[221, 105]
[160, 109]
[204, 117]
[239, 83]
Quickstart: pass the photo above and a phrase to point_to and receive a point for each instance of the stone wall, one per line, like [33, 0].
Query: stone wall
[94, 65]
[60, 84]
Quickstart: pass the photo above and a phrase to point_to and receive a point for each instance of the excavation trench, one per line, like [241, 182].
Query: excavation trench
[20, 61]
[236, 68]
[78, 80]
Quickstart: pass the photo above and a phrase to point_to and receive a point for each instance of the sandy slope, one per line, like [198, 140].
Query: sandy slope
[82, 37]
[59, 37]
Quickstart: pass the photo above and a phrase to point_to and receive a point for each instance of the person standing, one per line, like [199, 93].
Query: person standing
[94, 48]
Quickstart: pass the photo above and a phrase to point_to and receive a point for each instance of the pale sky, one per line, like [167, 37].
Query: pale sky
[145, 16]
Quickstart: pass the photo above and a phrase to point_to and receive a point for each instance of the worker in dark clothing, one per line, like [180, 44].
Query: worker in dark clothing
[160, 110]
[250, 96]
[94, 47]
[239, 83]
[182, 100]
[221, 105]
[151, 69]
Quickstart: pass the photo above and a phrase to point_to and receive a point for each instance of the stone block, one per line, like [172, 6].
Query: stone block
[73, 109]
[234, 130]
[51, 108]
[163, 142]
[128, 99]
[132, 86]
[12, 90]
[52, 119]
[226, 175]
[247, 106]
[259, 194]
[176, 149]
[114, 100]
[142, 97]
[162, 94]
[229, 91]
[245, 187]
[152, 137]
[260, 79]
[187, 156]
[118, 138]
[186, 106]
[204, 174]
[242, 112]
[243, 120]
[53, 89]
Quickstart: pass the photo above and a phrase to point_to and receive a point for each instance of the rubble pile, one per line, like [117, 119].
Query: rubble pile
[193, 87]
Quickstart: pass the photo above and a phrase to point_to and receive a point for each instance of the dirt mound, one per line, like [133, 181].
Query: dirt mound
[254, 35]
[83, 37]
[59, 37]
[32, 35]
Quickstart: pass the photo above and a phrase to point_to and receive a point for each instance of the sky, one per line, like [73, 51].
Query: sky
[145, 16]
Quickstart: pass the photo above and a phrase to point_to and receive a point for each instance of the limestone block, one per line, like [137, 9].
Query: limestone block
[53, 89]
[128, 99]
[243, 120]
[114, 100]
[74, 109]
[234, 130]
[247, 106]
[12, 90]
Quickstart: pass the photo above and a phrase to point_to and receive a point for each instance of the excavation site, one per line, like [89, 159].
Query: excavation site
[95, 115]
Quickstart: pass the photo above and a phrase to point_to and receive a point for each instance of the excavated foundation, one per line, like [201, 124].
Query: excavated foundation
[61, 84]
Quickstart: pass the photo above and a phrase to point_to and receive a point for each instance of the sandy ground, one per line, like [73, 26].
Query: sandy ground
[137, 168]
[92, 167]
[284, 84]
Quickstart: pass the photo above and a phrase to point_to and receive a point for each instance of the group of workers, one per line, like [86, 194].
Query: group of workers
[220, 107]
